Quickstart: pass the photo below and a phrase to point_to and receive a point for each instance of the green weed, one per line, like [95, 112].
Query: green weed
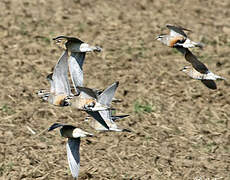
[142, 107]
[7, 109]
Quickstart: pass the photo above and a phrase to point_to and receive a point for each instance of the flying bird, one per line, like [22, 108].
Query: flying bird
[106, 115]
[177, 37]
[60, 91]
[191, 58]
[206, 78]
[73, 134]
[103, 116]
[77, 49]
[92, 103]
[179, 40]
[75, 45]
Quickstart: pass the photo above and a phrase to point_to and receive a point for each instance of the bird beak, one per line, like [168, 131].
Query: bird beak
[182, 69]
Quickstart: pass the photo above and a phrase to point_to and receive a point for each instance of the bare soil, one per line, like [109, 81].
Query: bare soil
[180, 129]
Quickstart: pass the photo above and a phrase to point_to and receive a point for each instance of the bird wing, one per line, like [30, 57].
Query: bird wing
[87, 92]
[176, 30]
[190, 57]
[107, 116]
[73, 155]
[105, 98]
[52, 85]
[60, 75]
[199, 66]
[114, 118]
[209, 83]
[97, 116]
[76, 61]
[80, 57]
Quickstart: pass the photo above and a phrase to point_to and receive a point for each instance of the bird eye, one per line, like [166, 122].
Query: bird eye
[58, 41]
[40, 92]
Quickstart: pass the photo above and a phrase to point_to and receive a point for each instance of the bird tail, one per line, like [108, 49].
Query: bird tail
[97, 49]
[215, 77]
[89, 135]
[198, 44]
[220, 77]
[119, 130]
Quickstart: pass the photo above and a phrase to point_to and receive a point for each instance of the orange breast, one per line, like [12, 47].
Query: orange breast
[88, 101]
[81, 102]
[174, 40]
[58, 99]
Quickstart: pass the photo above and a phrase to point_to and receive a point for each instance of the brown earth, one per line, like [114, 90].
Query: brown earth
[180, 129]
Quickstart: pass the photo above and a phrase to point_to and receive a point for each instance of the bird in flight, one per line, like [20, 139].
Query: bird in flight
[73, 144]
[77, 49]
[109, 119]
[59, 84]
[105, 116]
[179, 40]
[206, 78]
[177, 37]
[93, 103]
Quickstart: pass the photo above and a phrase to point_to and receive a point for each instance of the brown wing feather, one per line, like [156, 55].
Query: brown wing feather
[209, 84]
[178, 29]
[199, 66]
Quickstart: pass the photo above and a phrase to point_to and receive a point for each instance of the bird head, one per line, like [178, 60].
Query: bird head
[65, 42]
[61, 41]
[41, 92]
[66, 101]
[185, 68]
[160, 37]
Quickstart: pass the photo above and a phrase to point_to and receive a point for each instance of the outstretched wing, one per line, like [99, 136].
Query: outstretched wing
[190, 57]
[80, 57]
[60, 75]
[199, 66]
[97, 116]
[76, 61]
[73, 155]
[209, 83]
[105, 98]
[114, 118]
[107, 116]
[52, 85]
[177, 30]
[87, 92]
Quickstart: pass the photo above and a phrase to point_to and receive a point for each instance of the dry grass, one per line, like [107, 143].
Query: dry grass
[183, 134]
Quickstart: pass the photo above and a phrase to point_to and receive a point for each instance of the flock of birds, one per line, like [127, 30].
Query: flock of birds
[179, 40]
[97, 103]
